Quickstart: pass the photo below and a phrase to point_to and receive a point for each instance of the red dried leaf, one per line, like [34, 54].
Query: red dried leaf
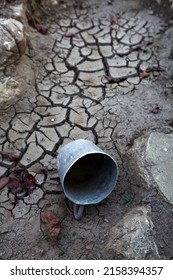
[10, 156]
[114, 80]
[155, 109]
[43, 30]
[51, 223]
[44, 168]
[114, 19]
[129, 141]
[35, 22]
[71, 35]
[22, 182]
[164, 24]
[144, 74]
[4, 182]
[18, 171]
[108, 78]
[28, 182]
[39, 27]
[15, 186]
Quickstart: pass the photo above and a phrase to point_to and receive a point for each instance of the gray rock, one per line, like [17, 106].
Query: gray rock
[150, 161]
[14, 33]
[18, 12]
[132, 236]
[9, 92]
[165, 54]
[12, 40]
[159, 156]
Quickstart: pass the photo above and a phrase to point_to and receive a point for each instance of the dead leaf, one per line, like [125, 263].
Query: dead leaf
[155, 109]
[23, 181]
[10, 156]
[15, 185]
[3, 182]
[114, 19]
[51, 223]
[71, 35]
[164, 25]
[112, 80]
[108, 78]
[144, 74]
[28, 182]
[129, 141]
[43, 30]
[36, 23]
[44, 168]
[39, 27]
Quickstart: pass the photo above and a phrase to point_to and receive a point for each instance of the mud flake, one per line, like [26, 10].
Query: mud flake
[34, 197]
[33, 152]
[20, 210]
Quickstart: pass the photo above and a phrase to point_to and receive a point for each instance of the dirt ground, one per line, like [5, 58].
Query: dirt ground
[98, 74]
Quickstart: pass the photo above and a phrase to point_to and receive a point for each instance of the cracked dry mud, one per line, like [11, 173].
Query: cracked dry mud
[86, 84]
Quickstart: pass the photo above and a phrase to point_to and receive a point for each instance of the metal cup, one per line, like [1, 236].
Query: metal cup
[87, 174]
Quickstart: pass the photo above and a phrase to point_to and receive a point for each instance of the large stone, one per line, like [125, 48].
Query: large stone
[131, 238]
[13, 40]
[159, 156]
[18, 12]
[165, 53]
[150, 162]
[9, 93]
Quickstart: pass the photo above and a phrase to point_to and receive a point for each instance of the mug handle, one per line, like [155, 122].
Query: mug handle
[78, 211]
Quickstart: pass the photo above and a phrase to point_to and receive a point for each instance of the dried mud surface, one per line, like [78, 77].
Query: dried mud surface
[85, 79]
